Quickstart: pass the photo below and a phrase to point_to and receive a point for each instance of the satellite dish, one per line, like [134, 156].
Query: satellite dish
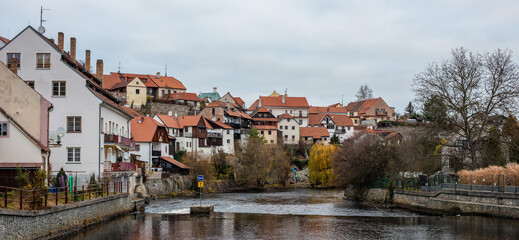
[60, 132]
[126, 155]
[116, 131]
[41, 29]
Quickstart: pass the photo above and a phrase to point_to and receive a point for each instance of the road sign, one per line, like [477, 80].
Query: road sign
[200, 184]
[200, 178]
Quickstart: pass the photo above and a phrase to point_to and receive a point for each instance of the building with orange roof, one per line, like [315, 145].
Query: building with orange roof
[228, 98]
[185, 98]
[88, 131]
[3, 41]
[125, 86]
[340, 125]
[289, 128]
[230, 114]
[151, 142]
[281, 104]
[311, 135]
[375, 109]
[267, 125]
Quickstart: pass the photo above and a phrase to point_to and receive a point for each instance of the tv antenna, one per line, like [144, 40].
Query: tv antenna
[41, 29]
[166, 71]
[119, 71]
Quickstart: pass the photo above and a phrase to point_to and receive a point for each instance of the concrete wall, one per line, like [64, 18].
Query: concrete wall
[63, 219]
[459, 201]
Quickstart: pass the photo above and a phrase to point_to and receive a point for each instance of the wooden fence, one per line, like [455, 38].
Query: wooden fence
[35, 199]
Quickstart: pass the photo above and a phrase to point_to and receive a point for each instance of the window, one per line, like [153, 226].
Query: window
[137, 147]
[262, 133]
[300, 122]
[270, 132]
[228, 140]
[30, 83]
[4, 131]
[288, 119]
[73, 154]
[293, 137]
[163, 92]
[73, 124]
[271, 141]
[137, 91]
[228, 131]
[293, 127]
[13, 55]
[281, 127]
[286, 127]
[59, 88]
[286, 136]
[356, 121]
[42, 60]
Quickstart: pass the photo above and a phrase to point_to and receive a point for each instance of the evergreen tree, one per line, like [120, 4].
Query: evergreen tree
[335, 140]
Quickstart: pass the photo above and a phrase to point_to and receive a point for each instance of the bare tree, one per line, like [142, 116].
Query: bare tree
[364, 93]
[472, 87]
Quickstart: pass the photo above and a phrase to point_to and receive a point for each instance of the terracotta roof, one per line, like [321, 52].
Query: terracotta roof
[25, 132]
[314, 132]
[244, 115]
[265, 127]
[277, 102]
[143, 128]
[316, 110]
[20, 165]
[336, 105]
[284, 115]
[239, 101]
[223, 125]
[149, 80]
[215, 124]
[339, 120]
[131, 111]
[169, 121]
[168, 82]
[216, 104]
[266, 119]
[182, 96]
[362, 106]
[174, 162]
[231, 113]
[3, 39]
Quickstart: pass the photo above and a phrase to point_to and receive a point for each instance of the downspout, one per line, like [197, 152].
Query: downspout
[51, 107]
[99, 136]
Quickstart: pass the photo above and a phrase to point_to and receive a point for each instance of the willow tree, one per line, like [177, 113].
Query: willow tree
[320, 170]
[472, 87]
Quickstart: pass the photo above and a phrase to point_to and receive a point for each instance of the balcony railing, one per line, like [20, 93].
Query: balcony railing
[214, 135]
[120, 140]
[155, 153]
[381, 113]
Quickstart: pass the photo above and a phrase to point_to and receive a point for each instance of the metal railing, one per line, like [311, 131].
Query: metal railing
[489, 183]
[117, 139]
[35, 199]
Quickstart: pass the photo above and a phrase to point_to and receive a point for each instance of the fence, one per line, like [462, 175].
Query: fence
[34, 199]
[490, 183]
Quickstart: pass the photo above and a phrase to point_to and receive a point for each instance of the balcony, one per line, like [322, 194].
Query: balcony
[119, 167]
[214, 135]
[156, 153]
[381, 113]
[119, 140]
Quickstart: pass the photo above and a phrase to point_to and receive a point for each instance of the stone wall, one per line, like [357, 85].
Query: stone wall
[62, 219]
[153, 108]
[168, 187]
[448, 201]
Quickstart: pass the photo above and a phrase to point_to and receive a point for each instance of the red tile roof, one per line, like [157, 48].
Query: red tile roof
[109, 81]
[131, 111]
[278, 102]
[182, 96]
[239, 101]
[174, 162]
[362, 106]
[143, 128]
[5, 40]
[21, 165]
[169, 121]
[265, 127]
[285, 115]
[314, 132]
[339, 120]
[316, 110]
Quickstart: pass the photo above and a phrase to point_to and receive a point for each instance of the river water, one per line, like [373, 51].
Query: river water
[293, 214]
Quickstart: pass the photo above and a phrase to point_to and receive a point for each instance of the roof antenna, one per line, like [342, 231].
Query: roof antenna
[342, 99]
[41, 29]
[119, 71]
[166, 71]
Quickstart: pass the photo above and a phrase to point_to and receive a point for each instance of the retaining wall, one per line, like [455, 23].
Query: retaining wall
[62, 219]
[447, 201]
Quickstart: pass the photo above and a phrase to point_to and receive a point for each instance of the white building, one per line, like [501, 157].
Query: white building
[289, 128]
[340, 125]
[89, 118]
[281, 104]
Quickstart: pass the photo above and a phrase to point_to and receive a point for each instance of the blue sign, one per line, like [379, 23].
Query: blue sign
[200, 178]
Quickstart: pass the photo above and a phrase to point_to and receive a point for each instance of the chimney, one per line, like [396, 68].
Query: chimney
[176, 116]
[73, 48]
[214, 89]
[158, 75]
[99, 69]
[283, 98]
[259, 101]
[14, 65]
[60, 41]
[87, 60]
[170, 113]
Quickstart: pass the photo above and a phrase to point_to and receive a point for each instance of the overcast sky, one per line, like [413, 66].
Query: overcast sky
[317, 49]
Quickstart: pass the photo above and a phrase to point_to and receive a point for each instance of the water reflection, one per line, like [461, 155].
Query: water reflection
[295, 214]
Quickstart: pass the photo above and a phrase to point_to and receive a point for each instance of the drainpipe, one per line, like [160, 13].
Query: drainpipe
[99, 136]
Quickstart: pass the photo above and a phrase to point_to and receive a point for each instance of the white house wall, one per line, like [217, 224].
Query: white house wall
[17, 147]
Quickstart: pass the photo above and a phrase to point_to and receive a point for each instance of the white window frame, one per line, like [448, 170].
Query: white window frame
[76, 155]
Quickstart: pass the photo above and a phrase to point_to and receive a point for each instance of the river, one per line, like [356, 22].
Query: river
[293, 214]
